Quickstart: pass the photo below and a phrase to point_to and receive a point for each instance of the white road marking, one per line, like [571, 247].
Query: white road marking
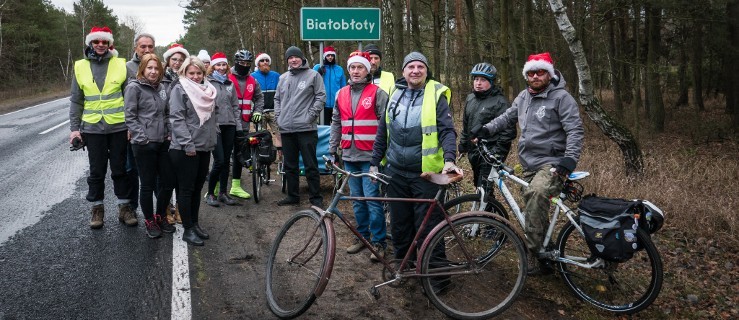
[31, 107]
[54, 127]
[181, 305]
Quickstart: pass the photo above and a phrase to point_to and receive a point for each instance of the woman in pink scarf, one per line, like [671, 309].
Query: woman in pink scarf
[194, 134]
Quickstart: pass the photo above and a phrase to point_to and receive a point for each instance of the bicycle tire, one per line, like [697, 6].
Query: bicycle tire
[471, 202]
[484, 288]
[298, 260]
[255, 176]
[625, 288]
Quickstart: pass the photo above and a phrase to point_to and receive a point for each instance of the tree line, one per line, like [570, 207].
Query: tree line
[648, 58]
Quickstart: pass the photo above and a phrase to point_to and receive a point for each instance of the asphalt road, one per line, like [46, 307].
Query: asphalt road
[52, 265]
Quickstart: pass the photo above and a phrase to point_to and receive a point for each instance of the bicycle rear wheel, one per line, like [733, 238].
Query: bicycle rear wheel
[625, 287]
[298, 262]
[482, 286]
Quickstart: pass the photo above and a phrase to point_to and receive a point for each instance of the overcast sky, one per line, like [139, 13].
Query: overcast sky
[161, 18]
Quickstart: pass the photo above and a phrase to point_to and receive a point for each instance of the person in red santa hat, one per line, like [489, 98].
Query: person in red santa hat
[100, 123]
[548, 148]
[333, 80]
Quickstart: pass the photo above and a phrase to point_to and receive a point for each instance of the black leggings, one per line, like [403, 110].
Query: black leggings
[221, 156]
[191, 172]
[152, 161]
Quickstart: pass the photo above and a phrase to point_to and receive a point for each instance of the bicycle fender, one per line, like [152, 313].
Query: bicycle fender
[456, 217]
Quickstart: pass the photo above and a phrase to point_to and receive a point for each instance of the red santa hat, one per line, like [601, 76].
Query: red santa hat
[327, 50]
[217, 58]
[99, 33]
[175, 48]
[540, 61]
[264, 56]
[360, 57]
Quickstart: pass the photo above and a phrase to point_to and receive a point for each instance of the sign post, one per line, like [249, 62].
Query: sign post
[336, 24]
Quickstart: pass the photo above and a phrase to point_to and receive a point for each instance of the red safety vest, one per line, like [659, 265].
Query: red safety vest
[244, 96]
[361, 126]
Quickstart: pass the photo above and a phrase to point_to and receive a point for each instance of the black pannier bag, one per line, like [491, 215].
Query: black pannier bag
[266, 153]
[610, 226]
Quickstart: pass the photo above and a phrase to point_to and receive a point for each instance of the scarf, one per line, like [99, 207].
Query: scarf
[202, 97]
[171, 74]
[145, 81]
[217, 76]
[483, 94]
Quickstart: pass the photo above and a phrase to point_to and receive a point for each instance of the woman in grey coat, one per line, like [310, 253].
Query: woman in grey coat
[147, 119]
[192, 113]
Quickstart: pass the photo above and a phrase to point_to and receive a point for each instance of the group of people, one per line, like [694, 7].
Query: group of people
[175, 113]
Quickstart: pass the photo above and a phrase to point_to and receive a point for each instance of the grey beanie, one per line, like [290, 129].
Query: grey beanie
[294, 51]
[415, 56]
[373, 49]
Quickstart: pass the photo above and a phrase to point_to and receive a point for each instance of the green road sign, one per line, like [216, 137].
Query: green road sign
[317, 23]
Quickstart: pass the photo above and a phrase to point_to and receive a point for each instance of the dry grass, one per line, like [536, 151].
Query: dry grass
[12, 99]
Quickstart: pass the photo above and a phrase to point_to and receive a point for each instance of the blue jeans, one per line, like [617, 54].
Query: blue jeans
[369, 214]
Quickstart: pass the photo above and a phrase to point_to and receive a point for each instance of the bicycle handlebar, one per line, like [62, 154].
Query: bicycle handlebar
[492, 158]
[376, 176]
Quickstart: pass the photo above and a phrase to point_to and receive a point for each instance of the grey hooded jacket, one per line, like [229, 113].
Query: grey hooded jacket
[228, 113]
[299, 99]
[132, 66]
[550, 124]
[99, 72]
[353, 154]
[147, 112]
[187, 133]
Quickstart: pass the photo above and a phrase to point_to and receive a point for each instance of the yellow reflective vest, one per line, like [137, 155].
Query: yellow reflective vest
[108, 103]
[387, 81]
[432, 156]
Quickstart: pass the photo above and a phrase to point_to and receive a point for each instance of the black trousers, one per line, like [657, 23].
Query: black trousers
[221, 155]
[191, 172]
[153, 163]
[406, 217]
[133, 176]
[294, 145]
[102, 149]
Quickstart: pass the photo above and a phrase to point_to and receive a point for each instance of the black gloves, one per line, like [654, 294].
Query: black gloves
[566, 166]
[480, 132]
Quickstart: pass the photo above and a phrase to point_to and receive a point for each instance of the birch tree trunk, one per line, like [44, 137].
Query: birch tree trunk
[619, 134]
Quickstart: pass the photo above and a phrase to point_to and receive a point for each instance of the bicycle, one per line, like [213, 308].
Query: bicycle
[623, 288]
[481, 276]
[262, 154]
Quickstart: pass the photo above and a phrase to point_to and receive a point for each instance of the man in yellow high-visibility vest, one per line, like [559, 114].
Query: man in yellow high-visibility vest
[97, 118]
[416, 134]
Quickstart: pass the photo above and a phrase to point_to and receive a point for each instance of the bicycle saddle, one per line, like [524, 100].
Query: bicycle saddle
[441, 179]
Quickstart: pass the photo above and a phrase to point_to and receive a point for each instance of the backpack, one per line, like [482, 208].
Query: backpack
[610, 226]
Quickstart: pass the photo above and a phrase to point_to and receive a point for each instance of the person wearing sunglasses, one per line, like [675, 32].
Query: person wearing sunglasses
[96, 117]
[549, 147]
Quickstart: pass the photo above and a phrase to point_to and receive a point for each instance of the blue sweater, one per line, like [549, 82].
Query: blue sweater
[333, 80]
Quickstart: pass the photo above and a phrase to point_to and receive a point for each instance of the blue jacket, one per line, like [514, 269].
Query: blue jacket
[268, 84]
[333, 80]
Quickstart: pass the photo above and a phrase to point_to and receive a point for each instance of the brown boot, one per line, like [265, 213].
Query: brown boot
[169, 213]
[98, 213]
[177, 217]
[126, 215]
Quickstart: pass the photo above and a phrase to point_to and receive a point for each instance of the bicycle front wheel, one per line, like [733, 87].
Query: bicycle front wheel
[471, 202]
[626, 287]
[472, 283]
[298, 262]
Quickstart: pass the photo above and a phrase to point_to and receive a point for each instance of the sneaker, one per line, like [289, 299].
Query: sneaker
[355, 247]
[164, 225]
[225, 199]
[152, 229]
[212, 201]
[380, 250]
[127, 215]
[538, 267]
[288, 201]
[98, 213]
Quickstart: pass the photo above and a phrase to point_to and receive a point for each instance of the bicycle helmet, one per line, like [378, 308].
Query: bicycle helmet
[243, 55]
[484, 69]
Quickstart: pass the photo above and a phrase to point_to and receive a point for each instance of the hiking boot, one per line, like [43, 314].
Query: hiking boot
[169, 213]
[177, 218]
[224, 198]
[126, 215]
[237, 191]
[200, 232]
[288, 202]
[538, 267]
[190, 237]
[355, 247]
[152, 229]
[317, 203]
[212, 201]
[164, 225]
[380, 250]
[98, 213]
